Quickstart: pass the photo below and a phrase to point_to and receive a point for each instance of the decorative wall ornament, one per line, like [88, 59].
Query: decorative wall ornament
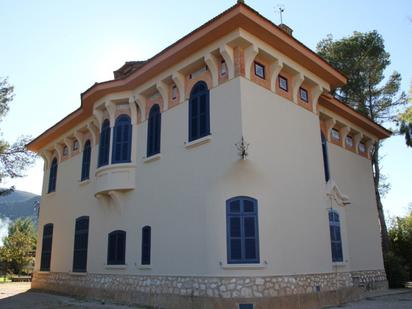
[242, 148]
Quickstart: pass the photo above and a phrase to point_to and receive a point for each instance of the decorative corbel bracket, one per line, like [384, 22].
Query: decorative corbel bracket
[212, 65]
[370, 144]
[80, 139]
[98, 114]
[116, 197]
[163, 90]
[133, 110]
[330, 123]
[59, 150]
[316, 93]
[94, 131]
[250, 55]
[111, 109]
[297, 81]
[68, 142]
[344, 133]
[141, 102]
[275, 69]
[357, 139]
[47, 157]
[179, 81]
[228, 55]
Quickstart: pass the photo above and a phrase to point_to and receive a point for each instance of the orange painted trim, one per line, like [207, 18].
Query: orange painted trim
[353, 116]
[238, 16]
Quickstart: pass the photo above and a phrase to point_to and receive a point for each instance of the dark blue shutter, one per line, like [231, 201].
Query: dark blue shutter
[245, 306]
[154, 131]
[146, 245]
[325, 156]
[104, 145]
[122, 140]
[87, 151]
[46, 249]
[81, 239]
[116, 249]
[53, 176]
[242, 230]
[199, 111]
[335, 236]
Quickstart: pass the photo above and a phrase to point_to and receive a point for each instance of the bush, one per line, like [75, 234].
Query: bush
[395, 270]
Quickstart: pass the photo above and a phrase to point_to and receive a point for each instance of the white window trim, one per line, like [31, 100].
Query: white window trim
[118, 267]
[198, 142]
[154, 157]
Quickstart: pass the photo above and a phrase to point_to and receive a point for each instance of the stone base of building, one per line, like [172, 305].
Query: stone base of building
[184, 292]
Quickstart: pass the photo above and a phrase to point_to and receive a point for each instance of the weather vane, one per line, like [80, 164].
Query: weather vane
[281, 9]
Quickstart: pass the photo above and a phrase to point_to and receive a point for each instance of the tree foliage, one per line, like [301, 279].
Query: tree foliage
[406, 122]
[363, 59]
[18, 248]
[14, 158]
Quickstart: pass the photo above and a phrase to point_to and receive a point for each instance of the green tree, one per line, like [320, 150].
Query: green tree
[14, 158]
[406, 122]
[363, 59]
[19, 246]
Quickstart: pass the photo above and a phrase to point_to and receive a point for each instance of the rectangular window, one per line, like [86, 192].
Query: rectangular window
[81, 239]
[283, 83]
[223, 68]
[260, 70]
[146, 245]
[362, 147]
[46, 249]
[116, 249]
[349, 141]
[335, 236]
[242, 231]
[335, 134]
[303, 95]
[174, 92]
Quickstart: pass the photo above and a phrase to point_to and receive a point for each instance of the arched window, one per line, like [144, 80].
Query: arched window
[153, 131]
[146, 245]
[335, 236]
[81, 239]
[104, 146]
[87, 152]
[46, 248]
[199, 113]
[116, 249]
[53, 176]
[242, 230]
[325, 156]
[122, 140]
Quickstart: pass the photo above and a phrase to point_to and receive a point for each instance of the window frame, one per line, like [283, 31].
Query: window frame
[347, 139]
[199, 90]
[146, 245]
[104, 144]
[325, 155]
[53, 176]
[303, 90]
[337, 136]
[119, 257]
[335, 230]
[242, 215]
[154, 131]
[86, 161]
[46, 247]
[80, 231]
[123, 124]
[280, 78]
[258, 65]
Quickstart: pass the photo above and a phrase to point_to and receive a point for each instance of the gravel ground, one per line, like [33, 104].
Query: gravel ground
[17, 295]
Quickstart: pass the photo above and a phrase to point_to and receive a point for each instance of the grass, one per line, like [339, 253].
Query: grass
[4, 279]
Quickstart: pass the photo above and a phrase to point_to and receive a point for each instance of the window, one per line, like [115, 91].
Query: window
[242, 230]
[335, 236]
[303, 95]
[104, 146]
[349, 141]
[53, 176]
[146, 245]
[245, 306]
[81, 238]
[116, 249]
[223, 68]
[325, 156]
[199, 114]
[283, 83]
[122, 140]
[335, 134]
[259, 70]
[65, 151]
[75, 145]
[153, 131]
[174, 92]
[362, 147]
[46, 248]
[87, 152]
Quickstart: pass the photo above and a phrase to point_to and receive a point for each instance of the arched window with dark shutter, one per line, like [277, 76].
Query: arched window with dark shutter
[242, 230]
[116, 249]
[53, 176]
[325, 156]
[81, 239]
[154, 125]
[199, 111]
[46, 248]
[122, 140]
[104, 145]
[146, 244]
[335, 236]
[87, 154]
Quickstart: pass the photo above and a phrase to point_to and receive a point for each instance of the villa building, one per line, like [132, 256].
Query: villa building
[221, 173]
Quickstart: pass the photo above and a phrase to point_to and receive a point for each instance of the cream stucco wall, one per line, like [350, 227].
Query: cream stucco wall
[182, 195]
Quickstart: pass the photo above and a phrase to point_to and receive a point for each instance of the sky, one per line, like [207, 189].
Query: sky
[52, 51]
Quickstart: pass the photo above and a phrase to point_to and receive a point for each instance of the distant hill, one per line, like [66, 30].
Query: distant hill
[19, 204]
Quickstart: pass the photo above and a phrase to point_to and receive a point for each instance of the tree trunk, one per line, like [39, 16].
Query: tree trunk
[381, 214]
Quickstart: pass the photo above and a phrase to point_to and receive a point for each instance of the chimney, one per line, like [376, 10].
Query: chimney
[286, 29]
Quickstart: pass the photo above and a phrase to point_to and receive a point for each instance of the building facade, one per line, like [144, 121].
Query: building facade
[220, 173]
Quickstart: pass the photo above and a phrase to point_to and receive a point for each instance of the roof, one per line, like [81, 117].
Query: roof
[133, 74]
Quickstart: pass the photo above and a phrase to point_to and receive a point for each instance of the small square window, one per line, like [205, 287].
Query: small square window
[259, 70]
[349, 141]
[223, 68]
[174, 92]
[335, 134]
[283, 83]
[362, 147]
[246, 306]
[75, 145]
[65, 151]
[304, 95]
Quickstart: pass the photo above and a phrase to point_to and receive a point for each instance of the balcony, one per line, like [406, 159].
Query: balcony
[115, 178]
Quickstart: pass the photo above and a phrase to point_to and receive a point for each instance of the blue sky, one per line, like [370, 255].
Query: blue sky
[54, 50]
